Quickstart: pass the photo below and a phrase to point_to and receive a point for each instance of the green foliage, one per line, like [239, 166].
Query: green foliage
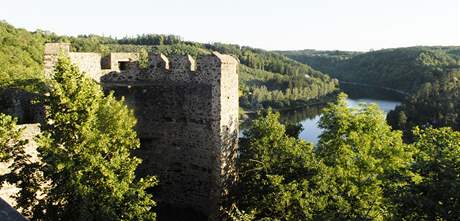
[267, 61]
[9, 137]
[81, 43]
[235, 214]
[151, 39]
[85, 153]
[405, 69]
[435, 195]
[21, 58]
[143, 59]
[326, 61]
[279, 177]
[356, 172]
[368, 160]
[435, 104]
[262, 89]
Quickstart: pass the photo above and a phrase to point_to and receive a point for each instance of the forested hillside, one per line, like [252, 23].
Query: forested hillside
[267, 79]
[326, 61]
[435, 104]
[405, 69]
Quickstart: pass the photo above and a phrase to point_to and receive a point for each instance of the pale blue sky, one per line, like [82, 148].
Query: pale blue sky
[268, 24]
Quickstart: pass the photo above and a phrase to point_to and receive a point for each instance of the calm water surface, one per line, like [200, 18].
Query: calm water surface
[310, 116]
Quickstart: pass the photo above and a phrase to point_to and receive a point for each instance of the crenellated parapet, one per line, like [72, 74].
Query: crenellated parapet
[180, 68]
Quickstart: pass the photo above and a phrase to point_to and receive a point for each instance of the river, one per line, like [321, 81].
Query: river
[308, 117]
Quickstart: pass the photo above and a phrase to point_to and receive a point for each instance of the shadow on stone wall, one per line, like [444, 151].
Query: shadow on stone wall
[229, 152]
[23, 105]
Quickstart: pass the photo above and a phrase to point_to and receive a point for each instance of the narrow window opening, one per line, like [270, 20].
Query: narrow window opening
[123, 65]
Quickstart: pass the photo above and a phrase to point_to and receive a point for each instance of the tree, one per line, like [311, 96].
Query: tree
[85, 153]
[279, 177]
[435, 195]
[367, 158]
[143, 58]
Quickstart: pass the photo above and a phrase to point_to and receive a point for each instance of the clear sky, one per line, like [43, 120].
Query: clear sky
[269, 24]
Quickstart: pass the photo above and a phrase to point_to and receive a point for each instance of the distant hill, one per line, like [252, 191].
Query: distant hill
[326, 61]
[401, 68]
[268, 79]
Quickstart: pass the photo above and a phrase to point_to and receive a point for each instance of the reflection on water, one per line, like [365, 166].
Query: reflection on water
[308, 117]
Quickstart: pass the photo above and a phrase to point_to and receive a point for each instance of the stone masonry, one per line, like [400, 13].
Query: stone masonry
[187, 115]
[91, 63]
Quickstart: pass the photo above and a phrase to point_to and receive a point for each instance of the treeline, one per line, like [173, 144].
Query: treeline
[281, 82]
[152, 39]
[326, 61]
[401, 68]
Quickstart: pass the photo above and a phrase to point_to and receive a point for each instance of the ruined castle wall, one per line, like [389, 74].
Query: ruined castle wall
[115, 58]
[52, 52]
[229, 126]
[89, 63]
[30, 131]
[19, 103]
[184, 125]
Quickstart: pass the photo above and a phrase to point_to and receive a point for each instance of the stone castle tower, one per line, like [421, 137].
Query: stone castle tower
[187, 115]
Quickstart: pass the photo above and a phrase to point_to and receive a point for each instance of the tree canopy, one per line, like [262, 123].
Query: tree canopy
[436, 194]
[367, 158]
[357, 171]
[279, 176]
